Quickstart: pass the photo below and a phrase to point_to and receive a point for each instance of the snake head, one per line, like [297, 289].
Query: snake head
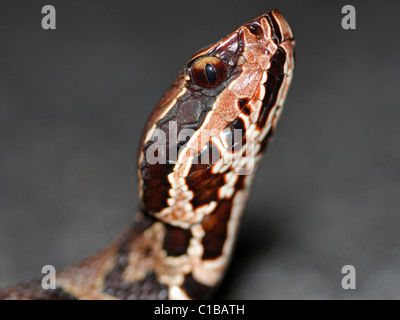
[239, 62]
[215, 121]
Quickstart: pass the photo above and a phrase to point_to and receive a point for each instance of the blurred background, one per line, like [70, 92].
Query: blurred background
[73, 102]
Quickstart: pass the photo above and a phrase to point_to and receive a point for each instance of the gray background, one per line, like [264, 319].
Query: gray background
[73, 102]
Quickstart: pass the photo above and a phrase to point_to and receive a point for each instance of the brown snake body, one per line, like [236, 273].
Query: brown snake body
[196, 160]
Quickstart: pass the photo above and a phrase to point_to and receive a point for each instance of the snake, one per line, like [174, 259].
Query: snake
[198, 155]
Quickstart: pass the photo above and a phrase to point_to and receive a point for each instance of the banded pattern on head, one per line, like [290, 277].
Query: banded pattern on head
[197, 158]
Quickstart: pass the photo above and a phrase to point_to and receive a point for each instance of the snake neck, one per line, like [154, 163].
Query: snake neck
[151, 260]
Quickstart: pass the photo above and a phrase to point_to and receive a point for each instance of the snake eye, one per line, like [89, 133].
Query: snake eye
[208, 72]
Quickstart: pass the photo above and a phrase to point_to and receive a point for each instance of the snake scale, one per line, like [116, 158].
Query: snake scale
[215, 120]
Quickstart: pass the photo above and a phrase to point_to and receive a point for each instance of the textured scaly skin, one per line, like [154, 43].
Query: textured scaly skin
[181, 241]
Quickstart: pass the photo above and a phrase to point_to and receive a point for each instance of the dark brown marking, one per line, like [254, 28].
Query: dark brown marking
[155, 186]
[280, 58]
[176, 240]
[246, 111]
[272, 85]
[256, 29]
[239, 185]
[202, 181]
[195, 289]
[238, 124]
[205, 186]
[215, 227]
[243, 103]
[147, 288]
[275, 30]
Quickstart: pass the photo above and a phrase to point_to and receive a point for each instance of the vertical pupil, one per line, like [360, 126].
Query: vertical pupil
[211, 74]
